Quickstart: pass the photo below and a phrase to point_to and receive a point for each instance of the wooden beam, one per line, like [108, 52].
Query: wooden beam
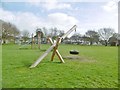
[68, 32]
[32, 42]
[57, 52]
[42, 57]
[59, 56]
[55, 48]
[39, 40]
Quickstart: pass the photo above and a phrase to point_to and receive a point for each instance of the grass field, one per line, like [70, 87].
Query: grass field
[96, 68]
[0, 66]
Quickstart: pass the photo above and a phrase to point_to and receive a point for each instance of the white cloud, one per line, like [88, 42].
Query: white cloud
[96, 26]
[110, 6]
[62, 19]
[29, 21]
[6, 15]
[111, 18]
[23, 21]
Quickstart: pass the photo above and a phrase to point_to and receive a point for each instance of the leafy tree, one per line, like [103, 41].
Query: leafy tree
[116, 35]
[114, 40]
[76, 37]
[85, 39]
[93, 36]
[105, 34]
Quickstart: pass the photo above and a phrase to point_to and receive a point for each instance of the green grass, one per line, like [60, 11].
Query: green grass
[0, 66]
[98, 68]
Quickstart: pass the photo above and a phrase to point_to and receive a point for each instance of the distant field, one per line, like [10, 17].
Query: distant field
[96, 68]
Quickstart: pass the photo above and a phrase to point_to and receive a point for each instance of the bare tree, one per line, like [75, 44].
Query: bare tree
[54, 32]
[9, 31]
[105, 34]
[61, 33]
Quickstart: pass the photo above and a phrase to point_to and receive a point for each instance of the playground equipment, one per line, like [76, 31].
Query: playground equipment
[54, 46]
[38, 33]
[37, 38]
[33, 42]
[74, 52]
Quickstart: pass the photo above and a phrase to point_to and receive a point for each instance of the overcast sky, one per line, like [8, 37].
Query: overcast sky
[30, 14]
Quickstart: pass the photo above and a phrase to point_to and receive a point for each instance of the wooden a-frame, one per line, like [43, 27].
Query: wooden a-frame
[53, 46]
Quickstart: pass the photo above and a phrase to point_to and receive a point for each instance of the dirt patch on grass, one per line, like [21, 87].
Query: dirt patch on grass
[79, 58]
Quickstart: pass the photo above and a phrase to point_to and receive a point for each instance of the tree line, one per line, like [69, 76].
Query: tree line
[103, 36]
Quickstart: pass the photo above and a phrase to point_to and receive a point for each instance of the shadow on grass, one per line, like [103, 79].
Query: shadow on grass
[42, 50]
[79, 58]
[57, 62]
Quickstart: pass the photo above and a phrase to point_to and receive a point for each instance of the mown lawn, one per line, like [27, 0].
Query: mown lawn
[0, 66]
[96, 68]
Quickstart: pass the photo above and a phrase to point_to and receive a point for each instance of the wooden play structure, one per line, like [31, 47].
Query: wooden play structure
[37, 38]
[33, 42]
[39, 32]
[54, 46]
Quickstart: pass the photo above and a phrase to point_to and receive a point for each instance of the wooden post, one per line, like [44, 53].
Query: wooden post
[55, 48]
[39, 41]
[32, 42]
[68, 32]
[57, 52]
